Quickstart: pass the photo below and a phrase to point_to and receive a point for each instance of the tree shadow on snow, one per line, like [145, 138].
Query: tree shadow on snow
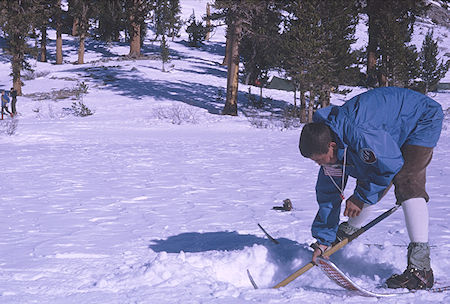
[207, 70]
[211, 47]
[129, 82]
[133, 82]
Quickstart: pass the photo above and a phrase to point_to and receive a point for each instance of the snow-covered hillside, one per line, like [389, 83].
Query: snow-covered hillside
[156, 198]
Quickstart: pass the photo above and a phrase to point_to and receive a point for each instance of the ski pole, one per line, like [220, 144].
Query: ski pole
[338, 246]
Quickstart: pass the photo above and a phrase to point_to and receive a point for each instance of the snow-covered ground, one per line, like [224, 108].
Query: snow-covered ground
[127, 206]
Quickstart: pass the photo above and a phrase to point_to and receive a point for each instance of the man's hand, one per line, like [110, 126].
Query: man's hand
[352, 209]
[318, 251]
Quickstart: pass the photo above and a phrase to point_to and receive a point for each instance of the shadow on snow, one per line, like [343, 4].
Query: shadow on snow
[200, 242]
[131, 83]
[285, 255]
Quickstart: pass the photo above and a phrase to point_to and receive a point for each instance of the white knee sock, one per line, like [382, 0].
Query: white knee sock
[359, 220]
[416, 219]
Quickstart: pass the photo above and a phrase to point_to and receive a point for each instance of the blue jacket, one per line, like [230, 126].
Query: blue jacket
[372, 127]
[5, 100]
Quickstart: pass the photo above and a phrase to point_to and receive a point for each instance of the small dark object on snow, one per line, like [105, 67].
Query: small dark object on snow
[287, 205]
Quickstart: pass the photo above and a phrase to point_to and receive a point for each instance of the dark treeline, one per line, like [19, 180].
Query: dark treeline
[308, 41]
[101, 20]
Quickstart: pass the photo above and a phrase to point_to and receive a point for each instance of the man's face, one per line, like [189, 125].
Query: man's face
[328, 158]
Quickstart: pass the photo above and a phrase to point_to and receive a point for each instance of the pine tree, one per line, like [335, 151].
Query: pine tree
[175, 22]
[235, 13]
[58, 24]
[165, 53]
[431, 70]
[45, 11]
[208, 21]
[166, 18]
[315, 47]
[136, 12]
[110, 18]
[373, 10]
[166, 22]
[407, 68]
[82, 11]
[391, 25]
[231, 11]
[196, 31]
[17, 20]
[259, 45]
[338, 20]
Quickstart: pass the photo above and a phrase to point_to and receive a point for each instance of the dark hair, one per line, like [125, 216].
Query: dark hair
[314, 139]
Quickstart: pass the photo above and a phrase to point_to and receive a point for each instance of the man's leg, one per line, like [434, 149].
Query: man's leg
[410, 192]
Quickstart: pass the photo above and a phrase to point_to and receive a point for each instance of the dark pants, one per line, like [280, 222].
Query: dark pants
[6, 109]
[13, 106]
[411, 179]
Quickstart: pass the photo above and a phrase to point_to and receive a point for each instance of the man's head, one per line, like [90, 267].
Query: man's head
[316, 143]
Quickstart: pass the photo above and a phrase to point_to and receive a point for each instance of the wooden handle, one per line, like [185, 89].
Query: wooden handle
[338, 246]
[295, 275]
[310, 264]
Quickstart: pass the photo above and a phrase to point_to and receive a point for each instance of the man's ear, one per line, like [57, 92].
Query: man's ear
[333, 145]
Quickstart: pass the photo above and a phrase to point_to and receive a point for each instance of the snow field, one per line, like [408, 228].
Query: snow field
[126, 206]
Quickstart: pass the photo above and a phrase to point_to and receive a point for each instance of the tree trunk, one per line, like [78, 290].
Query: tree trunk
[325, 98]
[81, 49]
[247, 79]
[382, 80]
[372, 45]
[58, 25]
[17, 85]
[82, 30]
[208, 21]
[135, 39]
[312, 97]
[43, 57]
[302, 106]
[59, 55]
[16, 66]
[371, 68]
[75, 27]
[233, 68]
